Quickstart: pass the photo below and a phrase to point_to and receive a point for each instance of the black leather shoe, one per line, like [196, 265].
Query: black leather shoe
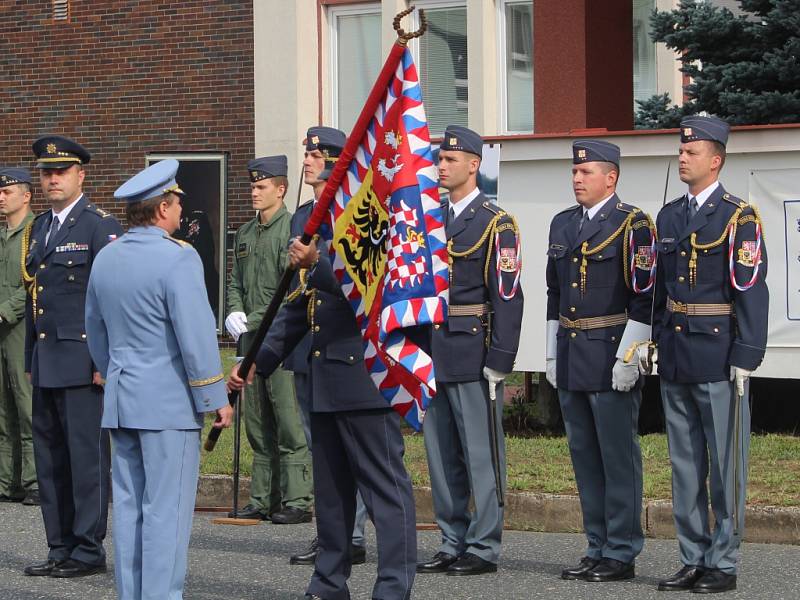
[609, 569]
[32, 498]
[42, 569]
[682, 580]
[291, 516]
[358, 554]
[249, 512]
[579, 570]
[5, 498]
[438, 564]
[714, 581]
[469, 564]
[307, 556]
[76, 568]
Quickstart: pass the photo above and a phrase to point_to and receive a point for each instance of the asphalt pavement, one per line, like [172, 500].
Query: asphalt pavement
[251, 563]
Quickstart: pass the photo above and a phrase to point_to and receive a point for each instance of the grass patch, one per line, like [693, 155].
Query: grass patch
[542, 463]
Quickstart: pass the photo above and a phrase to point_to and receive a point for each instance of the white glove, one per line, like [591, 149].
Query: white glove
[236, 324]
[740, 375]
[550, 372]
[624, 375]
[551, 351]
[494, 378]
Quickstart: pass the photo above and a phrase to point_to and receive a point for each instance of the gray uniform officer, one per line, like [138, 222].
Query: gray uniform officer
[472, 353]
[600, 271]
[710, 325]
[152, 335]
[72, 453]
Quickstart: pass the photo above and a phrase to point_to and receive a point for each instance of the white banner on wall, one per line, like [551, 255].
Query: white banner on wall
[776, 192]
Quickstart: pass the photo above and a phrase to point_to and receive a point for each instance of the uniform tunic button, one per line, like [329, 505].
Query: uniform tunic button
[574, 284]
[683, 252]
[678, 328]
[474, 329]
[716, 329]
[351, 358]
[83, 336]
[573, 334]
[436, 326]
[40, 289]
[69, 262]
[316, 353]
[319, 302]
[316, 328]
[572, 309]
[681, 279]
[41, 311]
[41, 266]
[575, 259]
[613, 338]
[42, 335]
[71, 278]
[600, 256]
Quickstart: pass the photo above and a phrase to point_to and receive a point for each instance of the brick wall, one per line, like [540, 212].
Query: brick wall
[128, 77]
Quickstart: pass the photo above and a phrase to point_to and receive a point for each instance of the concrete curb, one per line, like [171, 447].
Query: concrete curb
[552, 513]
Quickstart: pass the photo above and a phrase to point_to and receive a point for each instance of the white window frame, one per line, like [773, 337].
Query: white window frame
[334, 13]
[413, 45]
[502, 88]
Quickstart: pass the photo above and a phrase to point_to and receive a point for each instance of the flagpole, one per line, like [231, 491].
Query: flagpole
[324, 201]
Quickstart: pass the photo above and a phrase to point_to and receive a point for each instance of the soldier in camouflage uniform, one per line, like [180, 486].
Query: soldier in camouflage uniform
[281, 486]
[17, 470]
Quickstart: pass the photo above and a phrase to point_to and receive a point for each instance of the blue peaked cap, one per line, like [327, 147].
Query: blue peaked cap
[155, 181]
[13, 176]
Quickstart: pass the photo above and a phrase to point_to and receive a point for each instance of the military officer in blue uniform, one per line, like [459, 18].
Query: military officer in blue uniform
[323, 145]
[473, 352]
[710, 325]
[71, 452]
[356, 435]
[152, 335]
[600, 276]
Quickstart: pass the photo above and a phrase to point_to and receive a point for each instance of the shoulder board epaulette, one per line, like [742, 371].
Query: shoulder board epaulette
[181, 243]
[738, 202]
[566, 210]
[493, 208]
[678, 199]
[98, 211]
[627, 208]
[40, 215]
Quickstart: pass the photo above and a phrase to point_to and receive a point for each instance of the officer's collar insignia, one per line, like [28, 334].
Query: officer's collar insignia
[687, 131]
[51, 148]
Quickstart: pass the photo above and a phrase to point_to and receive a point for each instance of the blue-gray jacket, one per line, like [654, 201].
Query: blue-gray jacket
[700, 348]
[152, 334]
[338, 374]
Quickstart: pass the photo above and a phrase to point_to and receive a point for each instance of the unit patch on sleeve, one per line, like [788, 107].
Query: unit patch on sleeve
[644, 258]
[747, 254]
[508, 260]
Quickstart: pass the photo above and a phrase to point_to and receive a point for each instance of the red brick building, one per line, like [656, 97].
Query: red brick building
[133, 78]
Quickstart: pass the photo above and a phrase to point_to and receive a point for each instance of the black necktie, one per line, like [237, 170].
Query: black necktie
[583, 221]
[51, 235]
[451, 216]
[691, 209]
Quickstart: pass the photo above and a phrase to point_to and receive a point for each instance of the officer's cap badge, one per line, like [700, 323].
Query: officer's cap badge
[315, 139]
[687, 131]
[453, 141]
[51, 148]
[581, 153]
[3, 179]
[253, 174]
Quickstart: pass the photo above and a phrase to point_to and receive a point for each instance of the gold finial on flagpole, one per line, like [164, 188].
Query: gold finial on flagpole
[402, 37]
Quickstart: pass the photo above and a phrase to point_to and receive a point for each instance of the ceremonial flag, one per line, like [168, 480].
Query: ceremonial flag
[386, 238]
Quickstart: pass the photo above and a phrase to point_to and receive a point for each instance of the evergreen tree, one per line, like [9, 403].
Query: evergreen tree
[744, 68]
